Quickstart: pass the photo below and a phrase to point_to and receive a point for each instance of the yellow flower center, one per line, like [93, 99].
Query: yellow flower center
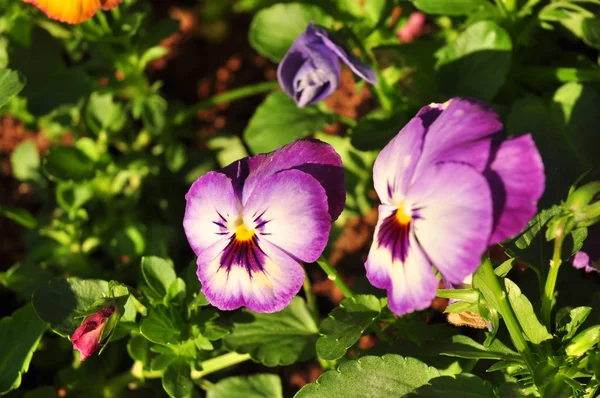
[402, 217]
[243, 234]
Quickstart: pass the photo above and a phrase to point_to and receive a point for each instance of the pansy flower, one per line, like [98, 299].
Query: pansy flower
[450, 186]
[252, 223]
[310, 71]
[73, 11]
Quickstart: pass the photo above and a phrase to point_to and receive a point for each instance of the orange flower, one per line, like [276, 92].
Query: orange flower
[73, 11]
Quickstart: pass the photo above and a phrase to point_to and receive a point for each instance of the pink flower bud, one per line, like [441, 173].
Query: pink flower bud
[86, 338]
[414, 27]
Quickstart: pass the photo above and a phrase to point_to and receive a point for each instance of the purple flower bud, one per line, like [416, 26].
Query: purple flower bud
[310, 71]
[86, 338]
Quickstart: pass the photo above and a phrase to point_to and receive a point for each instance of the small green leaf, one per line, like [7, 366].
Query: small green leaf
[20, 335]
[255, 386]
[388, 376]
[476, 63]
[158, 274]
[18, 215]
[503, 269]
[576, 318]
[345, 324]
[464, 347]
[138, 348]
[534, 330]
[25, 161]
[278, 121]
[590, 29]
[162, 325]
[274, 29]
[67, 163]
[177, 381]
[448, 7]
[62, 302]
[11, 83]
[584, 341]
[460, 385]
[281, 338]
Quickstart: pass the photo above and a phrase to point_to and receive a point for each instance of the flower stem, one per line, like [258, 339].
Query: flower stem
[310, 297]
[333, 276]
[219, 363]
[238, 93]
[516, 334]
[552, 275]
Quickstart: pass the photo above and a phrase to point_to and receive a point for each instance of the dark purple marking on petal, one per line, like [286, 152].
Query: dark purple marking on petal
[243, 253]
[394, 236]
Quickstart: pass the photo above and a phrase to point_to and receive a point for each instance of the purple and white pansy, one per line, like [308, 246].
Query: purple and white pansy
[310, 71]
[252, 223]
[450, 185]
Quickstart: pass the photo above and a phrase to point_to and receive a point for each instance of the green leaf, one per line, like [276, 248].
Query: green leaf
[460, 385]
[448, 7]
[162, 325]
[61, 302]
[574, 106]
[576, 318]
[11, 83]
[154, 112]
[534, 226]
[584, 341]
[20, 335]
[177, 381]
[138, 348]
[345, 324]
[278, 121]
[159, 274]
[376, 129]
[67, 163]
[476, 63]
[18, 215]
[534, 330]
[590, 29]
[503, 269]
[464, 347]
[281, 338]
[387, 376]
[25, 161]
[255, 386]
[274, 29]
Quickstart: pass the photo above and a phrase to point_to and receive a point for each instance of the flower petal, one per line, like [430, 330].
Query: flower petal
[452, 216]
[264, 282]
[516, 177]
[69, 11]
[395, 164]
[289, 209]
[462, 133]
[211, 208]
[411, 284]
[359, 67]
[109, 4]
[311, 156]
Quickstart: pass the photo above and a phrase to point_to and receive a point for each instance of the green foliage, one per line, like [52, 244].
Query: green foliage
[390, 375]
[275, 339]
[11, 83]
[269, 128]
[20, 335]
[256, 386]
[533, 329]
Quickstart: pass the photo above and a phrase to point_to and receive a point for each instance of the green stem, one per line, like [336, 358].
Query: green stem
[333, 276]
[219, 363]
[516, 334]
[238, 93]
[552, 275]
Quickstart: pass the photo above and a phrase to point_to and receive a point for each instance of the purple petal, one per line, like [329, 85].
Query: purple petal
[588, 257]
[289, 210]
[211, 207]
[452, 212]
[359, 67]
[516, 178]
[311, 156]
[260, 277]
[395, 164]
[310, 71]
[462, 133]
[411, 284]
